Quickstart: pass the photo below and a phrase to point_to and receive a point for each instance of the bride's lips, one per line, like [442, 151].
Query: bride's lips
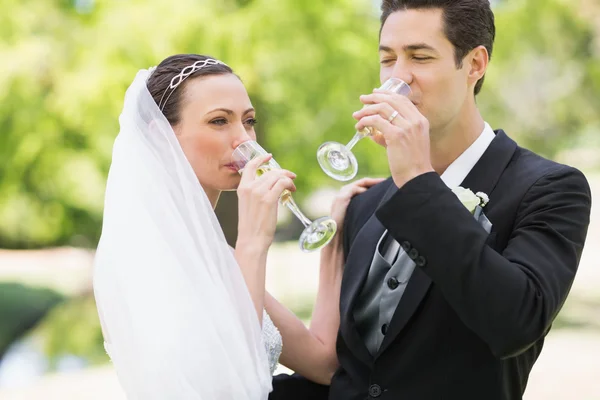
[231, 166]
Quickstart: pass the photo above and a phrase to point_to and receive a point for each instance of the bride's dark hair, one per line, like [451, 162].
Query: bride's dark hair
[170, 67]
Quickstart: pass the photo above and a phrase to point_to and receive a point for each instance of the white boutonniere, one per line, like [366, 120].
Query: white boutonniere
[469, 199]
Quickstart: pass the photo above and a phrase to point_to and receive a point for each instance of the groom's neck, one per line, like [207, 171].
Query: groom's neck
[449, 142]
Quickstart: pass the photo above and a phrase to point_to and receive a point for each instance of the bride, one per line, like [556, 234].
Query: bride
[183, 315]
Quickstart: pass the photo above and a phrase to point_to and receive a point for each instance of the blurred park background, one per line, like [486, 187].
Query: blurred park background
[65, 65]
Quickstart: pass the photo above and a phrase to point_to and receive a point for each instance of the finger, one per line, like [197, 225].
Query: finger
[383, 109]
[368, 182]
[379, 139]
[282, 184]
[290, 174]
[249, 172]
[387, 92]
[270, 178]
[368, 179]
[357, 190]
[398, 102]
[360, 186]
[382, 125]
[285, 172]
[364, 182]
[348, 194]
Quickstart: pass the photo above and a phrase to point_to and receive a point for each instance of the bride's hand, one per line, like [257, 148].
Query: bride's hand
[346, 193]
[258, 199]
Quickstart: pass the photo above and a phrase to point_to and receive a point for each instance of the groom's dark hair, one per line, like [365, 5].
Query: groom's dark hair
[170, 67]
[467, 23]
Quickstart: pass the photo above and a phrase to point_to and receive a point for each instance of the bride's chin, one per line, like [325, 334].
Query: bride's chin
[232, 183]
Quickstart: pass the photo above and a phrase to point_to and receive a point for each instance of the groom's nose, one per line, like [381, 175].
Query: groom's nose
[403, 72]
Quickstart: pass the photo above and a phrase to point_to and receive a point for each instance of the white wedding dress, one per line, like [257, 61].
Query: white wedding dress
[273, 341]
[271, 338]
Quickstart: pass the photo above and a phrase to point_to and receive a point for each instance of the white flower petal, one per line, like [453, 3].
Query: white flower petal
[484, 198]
[467, 197]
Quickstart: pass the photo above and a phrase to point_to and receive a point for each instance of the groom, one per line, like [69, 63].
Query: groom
[436, 304]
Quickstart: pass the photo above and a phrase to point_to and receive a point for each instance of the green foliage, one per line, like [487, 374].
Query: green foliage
[73, 328]
[66, 65]
[543, 82]
[61, 326]
[21, 308]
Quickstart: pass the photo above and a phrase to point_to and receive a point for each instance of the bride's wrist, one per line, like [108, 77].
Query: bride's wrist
[252, 245]
[334, 249]
[335, 244]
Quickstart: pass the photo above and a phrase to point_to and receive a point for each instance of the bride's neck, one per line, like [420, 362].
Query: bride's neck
[213, 196]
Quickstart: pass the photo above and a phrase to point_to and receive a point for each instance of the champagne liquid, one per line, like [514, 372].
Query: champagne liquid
[286, 195]
[369, 131]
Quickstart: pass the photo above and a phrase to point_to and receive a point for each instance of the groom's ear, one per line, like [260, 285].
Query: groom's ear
[476, 63]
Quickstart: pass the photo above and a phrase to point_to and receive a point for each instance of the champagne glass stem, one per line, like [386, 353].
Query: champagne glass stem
[293, 207]
[355, 139]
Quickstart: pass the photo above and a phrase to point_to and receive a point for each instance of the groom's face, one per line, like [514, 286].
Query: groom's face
[414, 48]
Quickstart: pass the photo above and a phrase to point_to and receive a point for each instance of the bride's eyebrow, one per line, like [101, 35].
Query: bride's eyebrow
[226, 110]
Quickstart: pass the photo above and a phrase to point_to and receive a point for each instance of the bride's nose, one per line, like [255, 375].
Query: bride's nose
[242, 136]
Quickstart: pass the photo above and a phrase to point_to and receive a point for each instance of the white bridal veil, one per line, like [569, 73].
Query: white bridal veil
[177, 316]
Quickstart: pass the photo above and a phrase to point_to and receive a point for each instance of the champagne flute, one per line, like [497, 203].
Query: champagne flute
[337, 160]
[316, 234]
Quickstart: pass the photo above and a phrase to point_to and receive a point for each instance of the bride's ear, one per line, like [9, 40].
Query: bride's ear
[157, 125]
[154, 125]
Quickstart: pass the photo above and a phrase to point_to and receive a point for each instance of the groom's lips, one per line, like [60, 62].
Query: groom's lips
[231, 166]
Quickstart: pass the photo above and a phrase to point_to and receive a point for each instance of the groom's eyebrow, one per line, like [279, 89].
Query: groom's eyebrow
[385, 49]
[419, 46]
[408, 47]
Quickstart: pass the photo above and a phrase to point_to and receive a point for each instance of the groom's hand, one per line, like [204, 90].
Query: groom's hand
[405, 133]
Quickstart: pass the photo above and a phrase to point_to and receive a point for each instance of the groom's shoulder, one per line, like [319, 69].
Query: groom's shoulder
[529, 170]
[364, 205]
[532, 167]
[361, 208]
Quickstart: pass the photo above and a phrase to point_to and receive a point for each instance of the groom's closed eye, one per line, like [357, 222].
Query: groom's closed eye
[251, 122]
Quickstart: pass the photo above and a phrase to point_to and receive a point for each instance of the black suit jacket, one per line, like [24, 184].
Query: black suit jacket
[472, 320]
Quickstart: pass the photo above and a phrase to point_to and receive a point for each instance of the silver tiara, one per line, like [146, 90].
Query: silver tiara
[187, 71]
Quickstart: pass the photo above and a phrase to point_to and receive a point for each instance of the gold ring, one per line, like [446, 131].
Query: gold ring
[394, 115]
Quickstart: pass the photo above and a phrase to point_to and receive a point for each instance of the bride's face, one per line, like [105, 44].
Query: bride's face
[216, 116]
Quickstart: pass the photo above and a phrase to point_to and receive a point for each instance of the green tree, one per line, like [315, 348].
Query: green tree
[21, 309]
[66, 66]
[543, 82]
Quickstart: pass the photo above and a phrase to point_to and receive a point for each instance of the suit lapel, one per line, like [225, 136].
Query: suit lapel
[356, 270]
[486, 173]
[482, 178]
